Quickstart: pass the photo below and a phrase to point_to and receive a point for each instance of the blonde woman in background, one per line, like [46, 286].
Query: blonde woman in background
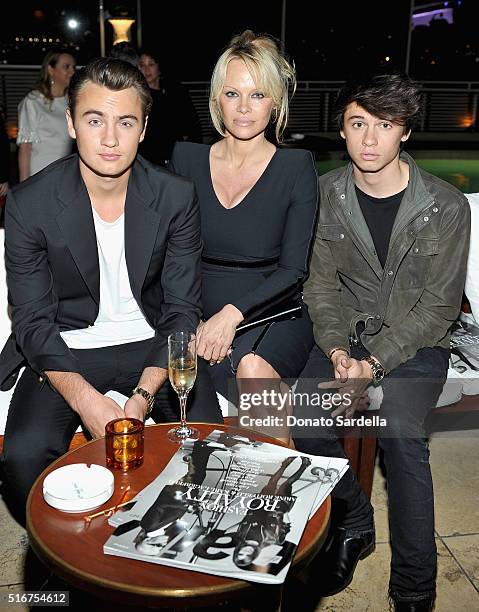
[42, 128]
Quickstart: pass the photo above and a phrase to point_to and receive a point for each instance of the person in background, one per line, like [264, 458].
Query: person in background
[4, 159]
[42, 128]
[125, 52]
[258, 207]
[173, 116]
[472, 278]
[385, 286]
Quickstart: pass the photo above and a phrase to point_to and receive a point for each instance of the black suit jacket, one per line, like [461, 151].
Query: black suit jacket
[52, 267]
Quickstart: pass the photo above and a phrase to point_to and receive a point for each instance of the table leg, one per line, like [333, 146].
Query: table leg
[268, 599]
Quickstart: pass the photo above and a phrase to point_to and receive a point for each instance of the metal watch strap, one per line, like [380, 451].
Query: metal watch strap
[376, 368]
[150, 399]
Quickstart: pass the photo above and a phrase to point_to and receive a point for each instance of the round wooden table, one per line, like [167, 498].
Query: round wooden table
[74, 550]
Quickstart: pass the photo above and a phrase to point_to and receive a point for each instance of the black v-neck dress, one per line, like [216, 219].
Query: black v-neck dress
[275, 219]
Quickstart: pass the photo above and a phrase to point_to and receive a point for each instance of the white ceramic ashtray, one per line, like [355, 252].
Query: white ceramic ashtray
[78, 487]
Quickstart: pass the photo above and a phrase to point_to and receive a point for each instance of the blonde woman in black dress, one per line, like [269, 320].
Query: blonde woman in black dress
[258, 208]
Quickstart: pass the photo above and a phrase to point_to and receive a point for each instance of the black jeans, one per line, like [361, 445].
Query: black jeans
[40, 424]
[410, 391]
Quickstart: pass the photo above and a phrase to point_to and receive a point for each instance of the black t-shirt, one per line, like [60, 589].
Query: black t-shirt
[380, 214]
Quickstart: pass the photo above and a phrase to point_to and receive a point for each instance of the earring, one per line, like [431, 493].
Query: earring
[52, 82]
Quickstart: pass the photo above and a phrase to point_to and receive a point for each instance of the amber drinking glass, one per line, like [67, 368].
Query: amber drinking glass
[124, 443]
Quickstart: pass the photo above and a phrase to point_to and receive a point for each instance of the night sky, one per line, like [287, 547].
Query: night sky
[328, 40]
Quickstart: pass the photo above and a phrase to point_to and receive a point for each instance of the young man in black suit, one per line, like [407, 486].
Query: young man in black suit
[102, 257]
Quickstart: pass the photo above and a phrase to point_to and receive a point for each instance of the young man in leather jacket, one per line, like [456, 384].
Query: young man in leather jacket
[386, 283]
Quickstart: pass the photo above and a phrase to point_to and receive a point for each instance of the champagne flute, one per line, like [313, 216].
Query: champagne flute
[182, 374]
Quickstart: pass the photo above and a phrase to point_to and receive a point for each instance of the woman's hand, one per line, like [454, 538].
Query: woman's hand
[214, 336]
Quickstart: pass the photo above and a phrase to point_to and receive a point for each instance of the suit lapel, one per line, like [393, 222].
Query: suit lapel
[141, 228]
[76, 224]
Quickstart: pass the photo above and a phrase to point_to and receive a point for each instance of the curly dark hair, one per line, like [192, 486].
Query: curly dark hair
[395, 97]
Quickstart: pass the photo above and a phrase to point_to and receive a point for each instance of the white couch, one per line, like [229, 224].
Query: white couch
[5, 326]
[472, 279]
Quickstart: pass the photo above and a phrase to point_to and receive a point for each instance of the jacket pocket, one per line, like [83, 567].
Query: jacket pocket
[344, 251]
[332, 232]
[414, 270]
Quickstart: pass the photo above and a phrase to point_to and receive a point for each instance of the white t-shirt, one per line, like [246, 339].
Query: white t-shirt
[472, 279]
[119, 319]
[43, 123]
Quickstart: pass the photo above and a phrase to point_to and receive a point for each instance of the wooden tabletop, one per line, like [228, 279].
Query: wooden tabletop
[74, 550]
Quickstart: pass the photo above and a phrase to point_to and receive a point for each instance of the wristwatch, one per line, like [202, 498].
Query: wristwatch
[376, 368]
[150, 399]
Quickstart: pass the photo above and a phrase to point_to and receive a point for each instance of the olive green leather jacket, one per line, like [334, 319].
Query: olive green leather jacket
[410, 304]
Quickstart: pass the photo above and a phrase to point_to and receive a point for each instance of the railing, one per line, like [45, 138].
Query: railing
[449, 106]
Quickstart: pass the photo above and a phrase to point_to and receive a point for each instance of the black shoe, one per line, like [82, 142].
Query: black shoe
[342, 557]
[421, 605]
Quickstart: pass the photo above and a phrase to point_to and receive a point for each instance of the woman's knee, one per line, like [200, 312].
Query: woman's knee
[254, 366]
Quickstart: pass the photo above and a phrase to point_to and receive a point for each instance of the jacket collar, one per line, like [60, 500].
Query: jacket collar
[416, 198]
[76, 224]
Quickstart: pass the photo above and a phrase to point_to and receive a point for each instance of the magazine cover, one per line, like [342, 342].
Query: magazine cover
[331, 469]
[226, 505]
[328, 469]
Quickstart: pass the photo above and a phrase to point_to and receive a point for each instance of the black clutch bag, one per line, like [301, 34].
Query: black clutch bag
[288, 308]
[287, 305]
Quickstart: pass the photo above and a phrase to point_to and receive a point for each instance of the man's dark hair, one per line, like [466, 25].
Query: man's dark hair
[125, 52]
[394, 97]
[114, 74]
[153, 53]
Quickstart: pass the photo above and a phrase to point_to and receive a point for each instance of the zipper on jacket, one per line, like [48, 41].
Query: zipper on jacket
[353, 334]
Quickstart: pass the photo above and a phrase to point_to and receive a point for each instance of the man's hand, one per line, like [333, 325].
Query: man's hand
[136, 407]
[98, 413]
[341, 362]
[94, 409]
[151, 380]
[346, 367]
[353, 376]
[214, 337]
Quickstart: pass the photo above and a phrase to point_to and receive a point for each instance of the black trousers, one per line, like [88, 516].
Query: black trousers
[40, 424]
[410, 391]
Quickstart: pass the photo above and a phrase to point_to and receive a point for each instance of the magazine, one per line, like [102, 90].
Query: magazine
[226, 505]
[463, 372]
[334, 468]
[465, 346]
